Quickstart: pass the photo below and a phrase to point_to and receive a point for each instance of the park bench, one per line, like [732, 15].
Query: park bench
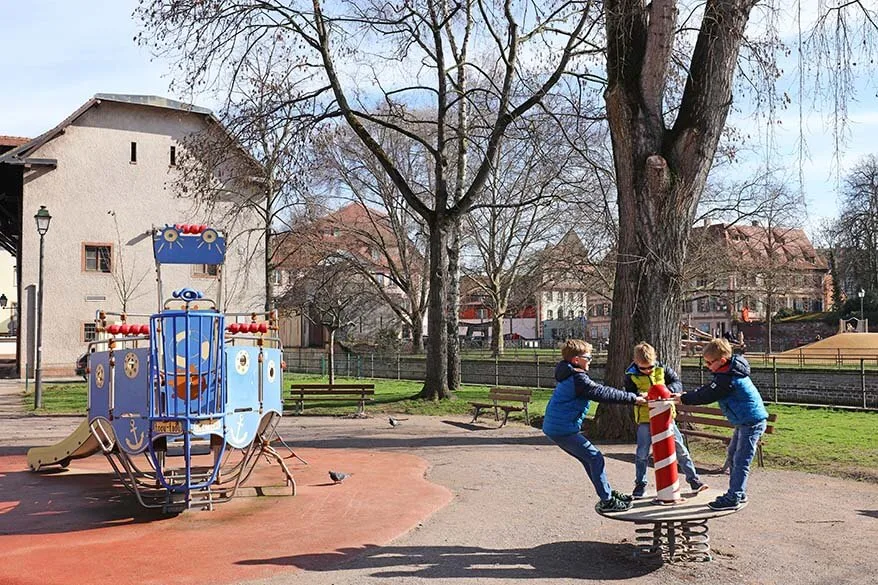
[499, 400]
[710, 416]
[300, 393]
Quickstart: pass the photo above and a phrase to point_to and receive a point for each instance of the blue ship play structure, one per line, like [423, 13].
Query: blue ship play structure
[197, 398]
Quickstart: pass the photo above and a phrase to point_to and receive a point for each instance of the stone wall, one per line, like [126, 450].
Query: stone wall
[847, 387]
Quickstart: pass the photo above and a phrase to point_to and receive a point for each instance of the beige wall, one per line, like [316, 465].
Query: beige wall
[95, 176]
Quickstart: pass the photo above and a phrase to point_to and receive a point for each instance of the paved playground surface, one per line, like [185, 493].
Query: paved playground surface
[458, 504]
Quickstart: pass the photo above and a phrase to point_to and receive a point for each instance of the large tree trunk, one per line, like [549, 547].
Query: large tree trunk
[267, 260]
[436, 381]
[497, 342]
[453, 306]
[332, 356]
[417, 333]
[660, 171]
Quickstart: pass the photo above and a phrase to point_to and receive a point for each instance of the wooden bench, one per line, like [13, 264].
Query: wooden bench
[319, 392]
[713, 417]
[499, 399]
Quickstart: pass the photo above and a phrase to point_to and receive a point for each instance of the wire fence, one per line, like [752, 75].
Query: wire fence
[824, 380]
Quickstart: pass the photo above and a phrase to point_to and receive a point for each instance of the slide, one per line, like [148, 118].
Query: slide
[79, 444]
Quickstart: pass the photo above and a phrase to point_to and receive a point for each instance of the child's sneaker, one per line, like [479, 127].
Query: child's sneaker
[697, 486]
[639, 490]
[614, 505]
[725, 502]
[621, 496]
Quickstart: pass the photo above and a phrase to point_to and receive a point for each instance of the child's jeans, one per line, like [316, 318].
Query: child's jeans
[592, 460]
[641, 456]
[745, 439]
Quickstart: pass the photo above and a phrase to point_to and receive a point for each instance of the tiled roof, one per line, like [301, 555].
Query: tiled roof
[756, 245]
[12, 140]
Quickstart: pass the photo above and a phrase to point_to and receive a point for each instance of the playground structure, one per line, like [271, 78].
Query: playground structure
[186, 387]
[674, 533]
[694, 340]
[664, 450]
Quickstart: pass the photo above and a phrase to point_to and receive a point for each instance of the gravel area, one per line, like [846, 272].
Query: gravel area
[523, 513]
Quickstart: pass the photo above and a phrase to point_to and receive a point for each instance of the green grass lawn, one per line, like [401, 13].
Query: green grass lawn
[821, 440]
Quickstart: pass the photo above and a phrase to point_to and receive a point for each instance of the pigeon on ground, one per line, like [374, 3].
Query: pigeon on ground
[395, 422]
[338, 476]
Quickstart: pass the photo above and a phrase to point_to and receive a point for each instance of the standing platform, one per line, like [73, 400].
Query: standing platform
[677, 532]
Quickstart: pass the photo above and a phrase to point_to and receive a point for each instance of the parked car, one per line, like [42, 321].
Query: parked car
[81, 366]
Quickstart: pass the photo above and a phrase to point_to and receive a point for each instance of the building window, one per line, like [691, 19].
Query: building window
[173, 158]
[701, 282]
[580, 298]
[549, 296]
[275, 276]
[133, 153]
[89, 332]
[549, 315]
[204, 270]
[560, 312]
[570, 313]
[704, 305]
[97, 257]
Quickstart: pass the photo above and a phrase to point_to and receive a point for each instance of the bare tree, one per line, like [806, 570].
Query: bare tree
[857, 227]
[253, 161]
[329, 295]
[664, 141]
[126, 281]
[421, 52]
[396, 237]
[533, 195]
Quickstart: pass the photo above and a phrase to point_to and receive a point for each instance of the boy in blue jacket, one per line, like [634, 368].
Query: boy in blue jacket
[741, 403]
[567, 409]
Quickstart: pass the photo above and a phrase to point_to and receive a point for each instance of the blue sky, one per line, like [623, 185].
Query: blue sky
[58, 53]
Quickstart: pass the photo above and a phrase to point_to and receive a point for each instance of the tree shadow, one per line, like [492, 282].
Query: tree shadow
[409, 442]
[60, 501]
[467, 426]
[560, 560]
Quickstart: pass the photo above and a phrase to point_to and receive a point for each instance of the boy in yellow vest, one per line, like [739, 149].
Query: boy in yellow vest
[640, 375]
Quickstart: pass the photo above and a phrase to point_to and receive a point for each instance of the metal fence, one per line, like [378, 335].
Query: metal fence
[822, 380]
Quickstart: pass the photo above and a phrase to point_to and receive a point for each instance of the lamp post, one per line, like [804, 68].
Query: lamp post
[42, 218]
[861, 294]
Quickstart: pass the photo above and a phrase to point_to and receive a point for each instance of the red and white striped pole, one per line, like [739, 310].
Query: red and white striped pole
[664, 451]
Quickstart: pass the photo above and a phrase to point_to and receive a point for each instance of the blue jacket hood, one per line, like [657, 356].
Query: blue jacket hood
[564, 370]
[739, 367]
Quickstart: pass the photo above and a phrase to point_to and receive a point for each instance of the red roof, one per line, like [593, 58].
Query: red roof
[13, 140]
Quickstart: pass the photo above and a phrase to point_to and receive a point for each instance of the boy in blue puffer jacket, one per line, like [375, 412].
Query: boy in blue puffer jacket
[741, 403]
[567, 409]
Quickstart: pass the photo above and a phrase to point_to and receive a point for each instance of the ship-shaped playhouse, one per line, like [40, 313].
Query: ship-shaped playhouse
[186, 405]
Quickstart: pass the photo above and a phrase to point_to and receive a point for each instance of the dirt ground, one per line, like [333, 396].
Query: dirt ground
[522, 512]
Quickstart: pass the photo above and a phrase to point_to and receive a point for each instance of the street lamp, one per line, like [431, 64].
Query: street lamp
[42, 218]
[861, 294]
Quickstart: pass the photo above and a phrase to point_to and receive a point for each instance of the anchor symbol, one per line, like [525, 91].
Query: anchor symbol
[138, 443]
[236, 434]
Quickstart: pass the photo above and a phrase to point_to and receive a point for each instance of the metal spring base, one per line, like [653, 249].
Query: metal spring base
[685, 540]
